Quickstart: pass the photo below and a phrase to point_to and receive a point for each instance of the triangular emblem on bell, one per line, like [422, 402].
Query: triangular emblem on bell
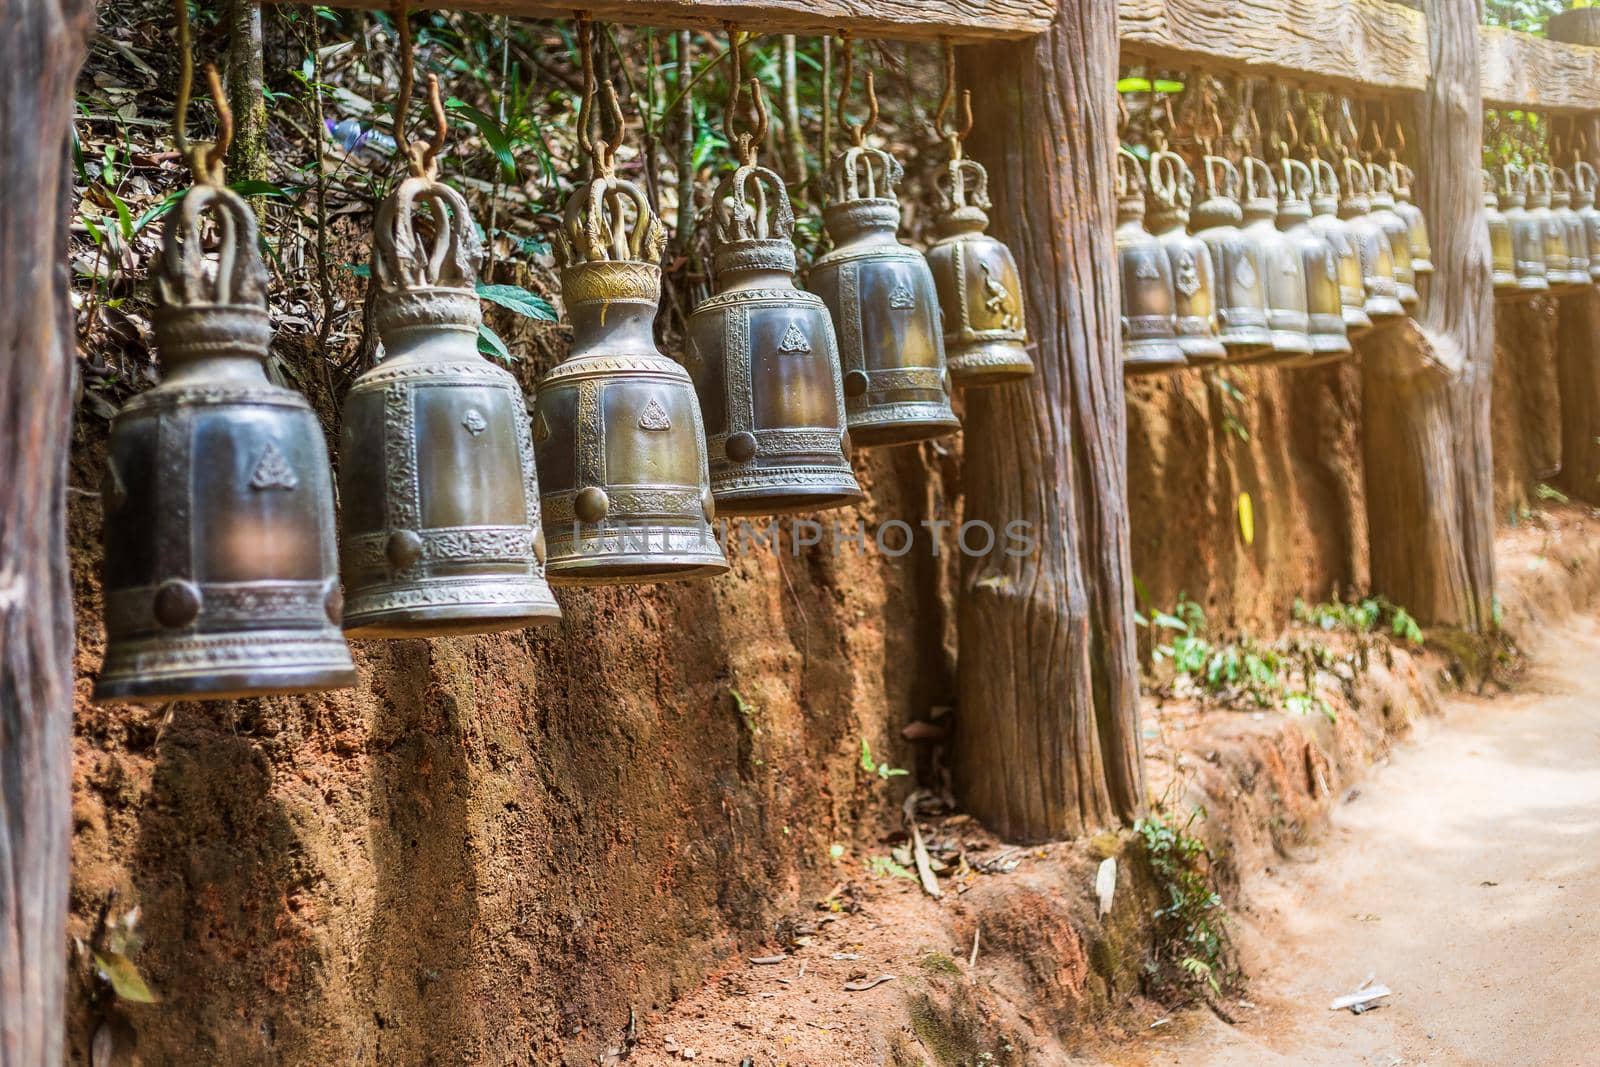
[220, 577]
[441, 503]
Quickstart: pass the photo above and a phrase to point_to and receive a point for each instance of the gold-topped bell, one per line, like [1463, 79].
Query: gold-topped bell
[1416, 225]
[441, 529]
[1382, 204]
[1372, 245]
[1503, 263]
[1149, 328]
[980, 292]
[1241, 300]
[1193, 280]
[1574, 233]
[1553, 235]
[765, 364]
[220, 577]
[1326, 223]
[1324, 310]
[1583, 184]
[1527, 234]
[1283, 275]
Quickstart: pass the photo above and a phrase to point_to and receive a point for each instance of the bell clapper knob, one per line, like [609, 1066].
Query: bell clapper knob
[403, 549]
[708, 505]
[855, 383]
[741, 447]
[538, 544]
[333, 603]
[591, 504]
[177, 603]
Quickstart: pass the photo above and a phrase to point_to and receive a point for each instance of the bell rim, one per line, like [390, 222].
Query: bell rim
[794, 500]
[154, 687]
[634, 568]
[1202, 349]
[1006, 358]
[901, 422]
[453, 620]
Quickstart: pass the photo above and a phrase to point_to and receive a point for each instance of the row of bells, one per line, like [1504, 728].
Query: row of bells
[1269, 267]
[1544, 229]
[459, 508]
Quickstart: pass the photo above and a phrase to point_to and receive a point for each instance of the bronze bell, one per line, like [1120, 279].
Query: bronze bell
[1326, 223]
[1149, 327]
[220, 572]
[1193, 281]
[1575, 235]
[1283, 276]
[1241, 303]
[623, 479]
[1527, 234]
[1552, 233]
[884, 307]
[1372, 245]
[1503, 262]
[1381, 199]
[1416, 224]
[1583, 183]
[1324, 310]
[765, 364]
[441, 504]
[980, 292]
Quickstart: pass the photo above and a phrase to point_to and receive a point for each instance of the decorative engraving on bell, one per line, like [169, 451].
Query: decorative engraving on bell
[436, 473]
[1149, 325]
[1583, 184]
[1503, 261]
[220, 572]
[1372, 245]
[624, 485]
[1575, 237]
[1416, 225]
[1527, 234]
[1381, 201]
[980, 292]
[1326, 223]
[1324, 310]
[1193, 280]
[1553, 234]
[884, 306]
[765, 363]
[1241, 300]
[1284, 276]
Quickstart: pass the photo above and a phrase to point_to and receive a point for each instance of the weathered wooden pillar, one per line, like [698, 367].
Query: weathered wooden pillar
[1048, 737]
[1578, 367]
[40, 52]
[1426, 392]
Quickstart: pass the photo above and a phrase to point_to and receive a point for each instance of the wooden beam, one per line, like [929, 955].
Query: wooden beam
[1524, 72]
[961, 20]
[1371, 46]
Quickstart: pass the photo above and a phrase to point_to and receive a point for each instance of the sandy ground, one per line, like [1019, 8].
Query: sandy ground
[1464, 875]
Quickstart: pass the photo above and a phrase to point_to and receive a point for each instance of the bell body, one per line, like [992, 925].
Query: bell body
[766, 370]
[1527, 243]
[1241, 300]
[619, 441]
[1398, 234]
[885, 311]
[1283, 275]
[1574, 236]
[980, 291]
[1149, 326]
[1326, 223]
[1325, 327]
[1416, 224]
[1503, 263]
[221, 579]
[1194, 287]
[1553, 235]
[1583, 191]
[1377, 261]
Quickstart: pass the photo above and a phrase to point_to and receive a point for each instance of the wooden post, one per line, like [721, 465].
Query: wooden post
[40, 52]
[1047, 741]
[1577, 341]
[1430, 476]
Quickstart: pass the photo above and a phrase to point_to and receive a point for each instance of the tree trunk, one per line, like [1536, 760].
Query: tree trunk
[1048, 737]
[1430, 475]
[247, 156]
[1577, 336]
[40, 52]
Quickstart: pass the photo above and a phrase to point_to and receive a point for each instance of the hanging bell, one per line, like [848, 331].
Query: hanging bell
[1193, 281]
[1372, 245]
[1575, 235]
[1326, 223]
[1149, 328]
[1503, 262]
[441, 504]
[220, 573]
[765, 364]
[1527, 234]
[1416, 225]
[1324, 310]
[1553, 235]
[625, 490]
[1583, 183]
[885, 311]
[1284, 277]
[980, 293]
[1241, 305]
[1381, 200]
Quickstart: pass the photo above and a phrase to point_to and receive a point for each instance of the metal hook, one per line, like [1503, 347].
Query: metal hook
[746, 142]
[856, 130]
[205, 160]
[954, 135]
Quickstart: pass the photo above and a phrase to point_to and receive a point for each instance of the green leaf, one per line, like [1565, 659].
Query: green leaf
[529, 305]
[256, 187]
[124, 977]
[1161, 85]
[360, 270]
[1170, 622]
[867, 763]
[124, 216]
[489, 344]
[151, 214]
[494, 135]
[1133, 85]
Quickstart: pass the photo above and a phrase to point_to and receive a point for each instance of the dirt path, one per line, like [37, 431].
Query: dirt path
[1464, 875]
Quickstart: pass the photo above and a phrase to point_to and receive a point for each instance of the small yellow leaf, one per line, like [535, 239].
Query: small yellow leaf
[124, 977]
[1247, 519]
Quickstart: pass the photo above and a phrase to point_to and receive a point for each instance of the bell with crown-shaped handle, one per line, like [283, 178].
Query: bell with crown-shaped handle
[1149, 322]
[1382, 212]
[1193, 280]
[1326, 223]
[1527, 233]
[1583, 192]
[1283, 276]
[1503, 263]
[1575, 236]
[1325, 327]
[1241, 298]
[1416, 225]
[1373, 246]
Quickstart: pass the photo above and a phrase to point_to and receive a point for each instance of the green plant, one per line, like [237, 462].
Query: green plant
[872, 766]
[1550, 492]
[1193, 946]
[884, 867]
